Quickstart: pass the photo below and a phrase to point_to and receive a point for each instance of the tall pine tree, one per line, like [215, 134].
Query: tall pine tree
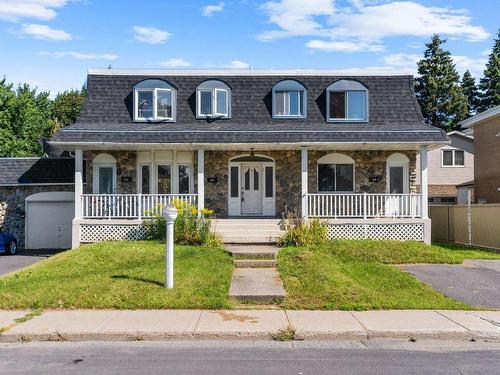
[490, 83]
[437, 87]
[471, 92]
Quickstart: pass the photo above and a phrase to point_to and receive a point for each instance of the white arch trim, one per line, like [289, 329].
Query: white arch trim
[336, 158]
[398, 158]
[104, 159]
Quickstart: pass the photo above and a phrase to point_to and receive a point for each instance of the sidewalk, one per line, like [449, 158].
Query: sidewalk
[80, 325]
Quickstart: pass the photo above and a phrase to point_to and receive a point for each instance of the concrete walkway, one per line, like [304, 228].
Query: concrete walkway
[80, 325]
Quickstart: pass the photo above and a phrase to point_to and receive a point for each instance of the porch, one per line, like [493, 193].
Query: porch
[357, 189]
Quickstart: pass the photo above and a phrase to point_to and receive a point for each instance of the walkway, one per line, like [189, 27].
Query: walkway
[112, 325]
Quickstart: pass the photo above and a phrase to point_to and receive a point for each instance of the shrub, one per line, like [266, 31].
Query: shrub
[300, 233]
[189, 228]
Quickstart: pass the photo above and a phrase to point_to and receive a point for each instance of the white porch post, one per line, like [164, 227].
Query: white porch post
[424, 180]
[75, 242]
[304, 171]
[201, 180]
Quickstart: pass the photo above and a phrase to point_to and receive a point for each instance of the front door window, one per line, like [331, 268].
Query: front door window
[396, 180]
[106, 180]
[164, 179]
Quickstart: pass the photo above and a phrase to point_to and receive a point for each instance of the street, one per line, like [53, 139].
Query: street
[250, 357]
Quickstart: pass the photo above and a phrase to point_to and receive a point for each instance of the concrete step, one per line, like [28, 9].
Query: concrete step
[255, 263]
[252, 252]
[256, 285]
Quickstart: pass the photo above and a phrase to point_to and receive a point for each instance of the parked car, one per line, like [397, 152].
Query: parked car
[8, 244]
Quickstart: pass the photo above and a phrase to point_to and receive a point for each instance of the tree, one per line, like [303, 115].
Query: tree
[490, 83]
[437, 87]
[471, 92]
[67, 106]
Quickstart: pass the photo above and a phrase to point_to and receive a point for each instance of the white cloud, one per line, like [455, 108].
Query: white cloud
[344, 46]
[402, 60]
[237, 64]
[175, 63]
[16, 10]
[210, 10]
[45, 32]
[150, 35]
[364, 25]
[79, 55]
[476, 66]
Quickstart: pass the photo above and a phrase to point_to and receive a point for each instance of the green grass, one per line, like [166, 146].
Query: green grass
[122, 275]
[358, 275]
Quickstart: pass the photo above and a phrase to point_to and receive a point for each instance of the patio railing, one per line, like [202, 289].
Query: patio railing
[364, 205]
[129, 206]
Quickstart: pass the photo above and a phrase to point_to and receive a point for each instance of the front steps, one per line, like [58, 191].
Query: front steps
[248, 230]
[255, 278]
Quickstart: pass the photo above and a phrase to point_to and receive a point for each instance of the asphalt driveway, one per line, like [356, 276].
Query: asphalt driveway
[24, 258]
[475, 282]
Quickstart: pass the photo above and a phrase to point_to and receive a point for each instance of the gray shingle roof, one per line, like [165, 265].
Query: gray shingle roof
[15, 171]
[106, 116]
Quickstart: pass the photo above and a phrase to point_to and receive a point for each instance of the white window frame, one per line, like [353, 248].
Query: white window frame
[346, 109]
[337, 191]
[178, 180]
[172, 174]
[155, 116]
[453, 160]
[214, 112]
[139, 178]
[96, 167]
[300, 103]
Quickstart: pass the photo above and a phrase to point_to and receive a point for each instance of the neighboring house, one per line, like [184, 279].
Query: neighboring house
[42, 180]
[449, 165]
[268, 144]
[486, 127]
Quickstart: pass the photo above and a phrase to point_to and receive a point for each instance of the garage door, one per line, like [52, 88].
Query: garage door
[49, 219]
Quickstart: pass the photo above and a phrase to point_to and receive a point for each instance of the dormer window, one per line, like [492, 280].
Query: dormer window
[347, 101]
[289, 100]
[154, 100]
[213, 100]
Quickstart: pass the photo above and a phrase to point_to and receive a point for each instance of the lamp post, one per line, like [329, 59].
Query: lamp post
[170, 214]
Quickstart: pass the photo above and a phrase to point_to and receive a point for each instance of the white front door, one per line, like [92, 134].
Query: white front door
[251, 188]
[397, 184]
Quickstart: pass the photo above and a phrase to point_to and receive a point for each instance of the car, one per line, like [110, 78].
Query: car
[8, 244]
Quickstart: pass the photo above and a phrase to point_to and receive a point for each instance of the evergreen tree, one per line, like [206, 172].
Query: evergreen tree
[437, 87]
[490, 83]
[471, 92]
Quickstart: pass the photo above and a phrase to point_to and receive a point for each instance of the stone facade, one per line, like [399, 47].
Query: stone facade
[288, 183]
[12, 207]
[126, 171]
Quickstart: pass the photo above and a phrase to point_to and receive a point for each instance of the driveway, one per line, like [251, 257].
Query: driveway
[24, 258]
[475, 282]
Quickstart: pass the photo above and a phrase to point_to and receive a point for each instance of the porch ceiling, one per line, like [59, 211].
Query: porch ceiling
[245, 146]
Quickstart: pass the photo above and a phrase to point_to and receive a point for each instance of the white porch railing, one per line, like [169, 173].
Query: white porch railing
[364, 205]
[128, 206]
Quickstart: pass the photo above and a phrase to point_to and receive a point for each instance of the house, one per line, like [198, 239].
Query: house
[340, 146]
[449, 165]
[486, 127]
[35, 183]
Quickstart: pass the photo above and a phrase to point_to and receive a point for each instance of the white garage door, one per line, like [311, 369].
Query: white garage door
[49, 219]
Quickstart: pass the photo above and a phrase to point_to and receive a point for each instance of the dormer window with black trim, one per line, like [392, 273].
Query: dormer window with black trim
[213, 100]
[154, 100]
[347, 101]
[289, 100]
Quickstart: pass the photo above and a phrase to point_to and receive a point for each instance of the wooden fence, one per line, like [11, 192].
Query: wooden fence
[451, 224]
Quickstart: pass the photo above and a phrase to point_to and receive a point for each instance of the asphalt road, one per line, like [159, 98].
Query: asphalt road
[475, 282]
[234, 358]
[24, 258]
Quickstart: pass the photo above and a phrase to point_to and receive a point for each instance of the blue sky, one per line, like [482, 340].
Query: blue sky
[52, 43]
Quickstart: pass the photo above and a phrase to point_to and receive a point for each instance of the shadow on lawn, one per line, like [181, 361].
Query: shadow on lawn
[127, 277]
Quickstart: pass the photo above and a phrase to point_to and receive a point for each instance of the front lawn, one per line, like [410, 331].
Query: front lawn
[122, 275]
[358, 275]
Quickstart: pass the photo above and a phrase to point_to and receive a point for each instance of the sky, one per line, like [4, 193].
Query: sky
[50, 44]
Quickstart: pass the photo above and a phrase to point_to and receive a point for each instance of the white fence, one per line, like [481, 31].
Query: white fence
[129, 206]
[364, 205]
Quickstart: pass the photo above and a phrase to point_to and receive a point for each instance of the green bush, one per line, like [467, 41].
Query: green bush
[299, 233]
[189, 228]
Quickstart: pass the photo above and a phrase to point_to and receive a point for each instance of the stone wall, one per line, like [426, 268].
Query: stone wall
[125, 168]
[12, 208]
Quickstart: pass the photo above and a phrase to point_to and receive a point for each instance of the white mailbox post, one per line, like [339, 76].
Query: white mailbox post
[170, 214]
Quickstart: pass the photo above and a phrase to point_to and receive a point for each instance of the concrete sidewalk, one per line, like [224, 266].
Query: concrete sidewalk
[108, 325]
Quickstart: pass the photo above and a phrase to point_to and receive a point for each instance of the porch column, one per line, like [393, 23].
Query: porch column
[75, 233]
[424, 180]
[304, 171]
[201, 180]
